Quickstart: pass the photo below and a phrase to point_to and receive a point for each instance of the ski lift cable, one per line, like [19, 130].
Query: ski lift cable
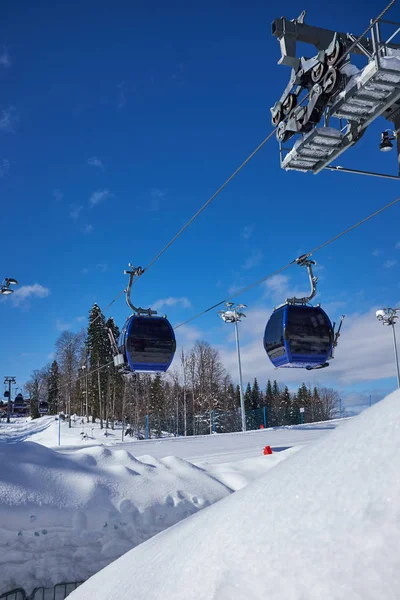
[278, 271]
[176, 236]
[219, 190]
[194, 217]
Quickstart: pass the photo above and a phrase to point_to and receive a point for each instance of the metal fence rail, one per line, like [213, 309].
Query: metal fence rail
[56, 592]
[17, 594]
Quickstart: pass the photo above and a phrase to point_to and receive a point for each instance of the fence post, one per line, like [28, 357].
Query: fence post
[213, 422]
[265, 416]
[147, 427]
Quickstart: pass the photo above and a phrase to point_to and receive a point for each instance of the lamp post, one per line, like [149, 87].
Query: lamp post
[388, 316]
[234, 314]
[9, 380]
[5, 286]
[84, 369]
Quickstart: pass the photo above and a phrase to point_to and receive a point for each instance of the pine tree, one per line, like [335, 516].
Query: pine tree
[53, 387]
[156, 408]
[247, 398]
[286, 402]
[255, 401]
[304, 401]
[98, 350]
[237, 396]
[268, 394]
[275, 412]
[115, 386]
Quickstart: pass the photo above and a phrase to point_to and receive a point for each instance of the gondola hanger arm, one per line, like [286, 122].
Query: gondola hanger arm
[305, 261]
[134, 273]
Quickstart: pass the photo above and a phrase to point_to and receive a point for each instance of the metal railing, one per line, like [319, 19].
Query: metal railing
[56, 592]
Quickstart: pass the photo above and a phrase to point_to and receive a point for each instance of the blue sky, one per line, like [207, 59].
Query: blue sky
[117, 121]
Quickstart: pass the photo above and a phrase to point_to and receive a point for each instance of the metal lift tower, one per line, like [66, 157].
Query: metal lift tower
[329, 103]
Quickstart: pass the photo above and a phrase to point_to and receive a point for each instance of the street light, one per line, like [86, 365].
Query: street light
[234, 314]
[84, 369]
[5, 286]
[388, 316]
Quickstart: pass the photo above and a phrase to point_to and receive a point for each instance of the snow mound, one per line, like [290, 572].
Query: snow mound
[323, 524]
[65, 516]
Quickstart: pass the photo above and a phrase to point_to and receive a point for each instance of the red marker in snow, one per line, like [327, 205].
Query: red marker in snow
[267, 450]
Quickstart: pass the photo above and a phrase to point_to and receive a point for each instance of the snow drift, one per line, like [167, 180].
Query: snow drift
[323, 524]
[64, 516]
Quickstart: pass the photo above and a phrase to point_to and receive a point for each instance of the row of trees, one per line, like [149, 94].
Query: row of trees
[196, 397]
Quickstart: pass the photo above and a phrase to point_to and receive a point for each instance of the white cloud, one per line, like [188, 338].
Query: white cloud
[253, 260]
[171, 301]
[388, 264]
[5, 59]
[103, 267]
[4, 167]
[26, 292]
[156, 196]
[95, 162]
[99, 196]
[62, 325]
[377, 252]
[9, 119]
[397, 246]
[58, 195]
[87, 228]
[75, 211]
[278, 285]
[247, 232]
[80, 319]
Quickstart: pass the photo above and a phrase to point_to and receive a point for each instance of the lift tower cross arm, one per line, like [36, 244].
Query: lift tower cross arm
[289, 32]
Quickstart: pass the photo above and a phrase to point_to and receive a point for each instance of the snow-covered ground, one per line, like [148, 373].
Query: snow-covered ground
[212, 449]
[325, 523]
[67, 512]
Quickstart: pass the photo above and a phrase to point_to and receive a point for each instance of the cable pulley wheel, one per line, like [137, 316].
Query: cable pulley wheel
[317, 72]
[332, 81]
[289, 104]
[276, 117]
[281, 134]
[332, 59]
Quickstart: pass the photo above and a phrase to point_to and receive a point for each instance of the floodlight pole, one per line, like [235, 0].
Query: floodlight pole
[9, 380]
[396, 356]
[232, 316]
[388, 316]
[242, 409]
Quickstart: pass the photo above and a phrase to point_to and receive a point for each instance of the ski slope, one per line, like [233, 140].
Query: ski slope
[325, 523]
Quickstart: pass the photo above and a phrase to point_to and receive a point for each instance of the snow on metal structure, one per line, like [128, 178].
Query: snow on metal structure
[328, 101]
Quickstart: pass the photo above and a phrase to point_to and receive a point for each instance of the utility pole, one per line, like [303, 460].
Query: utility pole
[10, 381]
